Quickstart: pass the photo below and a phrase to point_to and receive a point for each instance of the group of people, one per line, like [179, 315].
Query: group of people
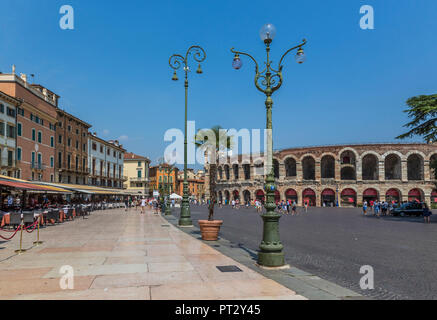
[143, 202]
[384, 208]
[284, 207]
[378, 207]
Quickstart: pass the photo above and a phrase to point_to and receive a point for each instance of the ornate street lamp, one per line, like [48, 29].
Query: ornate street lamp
[176, 61]
[268, 81]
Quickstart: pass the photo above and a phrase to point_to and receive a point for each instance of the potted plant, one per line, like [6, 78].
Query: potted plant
[214, 141]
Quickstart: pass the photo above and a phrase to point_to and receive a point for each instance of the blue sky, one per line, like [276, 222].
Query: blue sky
[112, 70]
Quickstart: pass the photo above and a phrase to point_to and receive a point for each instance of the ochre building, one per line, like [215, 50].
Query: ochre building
[343, 174]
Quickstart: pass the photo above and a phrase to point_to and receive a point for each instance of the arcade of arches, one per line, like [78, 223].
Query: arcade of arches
[347, 174]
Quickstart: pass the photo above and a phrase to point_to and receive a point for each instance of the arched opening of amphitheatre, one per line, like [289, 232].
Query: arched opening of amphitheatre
[370, 167]
[348, 198]
[327, 167]
[370, 195]
[393, 169]
[393, 196]
[309, 168]
[415, 167]
[290, 167]
[291, 195]
[328, 197]
[309, 197]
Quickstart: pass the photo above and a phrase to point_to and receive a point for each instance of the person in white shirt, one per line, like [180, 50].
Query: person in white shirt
[143, 205]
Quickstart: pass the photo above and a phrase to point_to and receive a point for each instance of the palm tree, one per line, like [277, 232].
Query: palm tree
[215, 142]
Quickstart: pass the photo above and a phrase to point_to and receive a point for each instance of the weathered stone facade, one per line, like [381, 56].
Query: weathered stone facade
[348, 174]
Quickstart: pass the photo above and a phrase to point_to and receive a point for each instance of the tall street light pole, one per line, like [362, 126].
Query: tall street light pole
[268, 81]
[176, 61]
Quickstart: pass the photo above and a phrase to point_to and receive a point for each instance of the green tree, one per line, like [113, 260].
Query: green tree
[423, 112]
[214, 142]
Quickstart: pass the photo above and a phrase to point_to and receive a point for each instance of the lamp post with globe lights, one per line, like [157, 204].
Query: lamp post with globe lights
[268, 81]
[176, 61]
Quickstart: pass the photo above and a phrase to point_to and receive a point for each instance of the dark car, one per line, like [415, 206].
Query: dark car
[409, 209]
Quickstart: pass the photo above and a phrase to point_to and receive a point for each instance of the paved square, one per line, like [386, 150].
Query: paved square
[118, 255]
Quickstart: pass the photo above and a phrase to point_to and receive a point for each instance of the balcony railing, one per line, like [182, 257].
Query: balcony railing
[136, 179]
[37, 166]
[7, 164]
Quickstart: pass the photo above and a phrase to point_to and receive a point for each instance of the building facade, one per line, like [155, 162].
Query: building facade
[162, 179]
[136, 168]
[8, 135]
[347, 174]
[196, 184]
[105, 160]
[71, 164]
[35, 127]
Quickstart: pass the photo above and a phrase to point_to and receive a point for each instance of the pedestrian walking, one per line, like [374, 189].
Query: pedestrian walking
[293, 209]
[365, 208]
[126, 204]
[306, 206]
[143, 205]
[426, 213]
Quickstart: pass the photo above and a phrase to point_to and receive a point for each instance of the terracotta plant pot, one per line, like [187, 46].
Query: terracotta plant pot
[210, 229]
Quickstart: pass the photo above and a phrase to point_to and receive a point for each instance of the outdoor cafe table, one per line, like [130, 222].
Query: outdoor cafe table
[6, 220]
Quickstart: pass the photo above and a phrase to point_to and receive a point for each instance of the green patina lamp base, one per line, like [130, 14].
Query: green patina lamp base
[185, 219]
[271, 259]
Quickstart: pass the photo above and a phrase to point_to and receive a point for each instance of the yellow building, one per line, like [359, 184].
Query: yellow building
[137, 170]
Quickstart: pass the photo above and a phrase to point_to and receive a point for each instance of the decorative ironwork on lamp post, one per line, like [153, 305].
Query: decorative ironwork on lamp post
[268, 81]
[176, 61]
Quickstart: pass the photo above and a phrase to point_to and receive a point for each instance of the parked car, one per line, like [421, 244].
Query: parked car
[409, 209]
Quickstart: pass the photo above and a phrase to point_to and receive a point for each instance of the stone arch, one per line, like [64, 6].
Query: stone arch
[260, 195]
[307, 155]
[348, 197]
[348, 164]
[370, 166]
[227, 196]
[432, 154]
[259, 167]
[327, 197]
[416, 194]
[235, 195]
[415, 167]
[247, 196]
[235, 169]
[371, 194]
[432, 159]
[220, 196]
[393, 166]
[227, 172]
[327, 166]
[393, 195]
[292, 195]
[309, 196]
[348, 156]
[290, 156]
[309, 168]
[220, 172]
[246, 171]
[276, 168]
[376, 154]
[348, 149]
[290, 164]
[400, 155]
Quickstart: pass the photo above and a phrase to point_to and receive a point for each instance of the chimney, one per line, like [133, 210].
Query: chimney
[13, 69]
[24, 77]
